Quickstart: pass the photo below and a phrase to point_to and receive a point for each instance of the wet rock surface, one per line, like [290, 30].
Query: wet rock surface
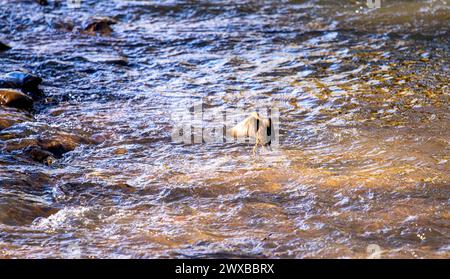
[21, 209]
[12, 116]
[60, 143]
[4, 47]
[17, 212]
[15, 99]
[61, 24]
[38, 154]
[40, 141]
[28, 83]
[363, 99]
[42, 2]
[107, 59]
[99, 25]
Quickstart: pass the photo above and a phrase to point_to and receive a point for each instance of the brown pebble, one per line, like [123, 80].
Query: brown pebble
[42, 2]
[16, 99]
[107, 59]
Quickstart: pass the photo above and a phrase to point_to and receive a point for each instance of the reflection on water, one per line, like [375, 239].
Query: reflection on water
[364, 137]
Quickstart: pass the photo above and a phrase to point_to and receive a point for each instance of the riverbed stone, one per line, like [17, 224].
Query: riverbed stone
[4, 46]
[16, 99]
[24, 195]
[37, 154]
[15, 211]
[42, 2]
[18, 138]
[12, 116]
[99, 25]
[60, 143]
[18, 144]
[26, 82]
[106, 59]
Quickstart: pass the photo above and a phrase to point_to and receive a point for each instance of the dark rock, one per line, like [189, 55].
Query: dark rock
[4, 46]
[39, 155]
[15, 99]
[42, 2]
[26, 82]
[61, 24]
[24, 195]
[107, 59]
[18, 138]
[99, 25]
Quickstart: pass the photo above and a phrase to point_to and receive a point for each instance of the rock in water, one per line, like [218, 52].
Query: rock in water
[26, 82]
[4, 46]
[39, 155]
[61, 24]
[22, 80]
[61, 143]
[101, 25]
[107, 59]
[42, 2]
[15, 99]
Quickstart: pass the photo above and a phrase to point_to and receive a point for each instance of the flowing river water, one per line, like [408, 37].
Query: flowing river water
[364, 130]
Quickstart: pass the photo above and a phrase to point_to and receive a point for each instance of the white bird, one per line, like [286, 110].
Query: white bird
[255, 127]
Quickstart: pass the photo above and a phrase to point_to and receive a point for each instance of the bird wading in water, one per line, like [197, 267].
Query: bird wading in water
[256, 127]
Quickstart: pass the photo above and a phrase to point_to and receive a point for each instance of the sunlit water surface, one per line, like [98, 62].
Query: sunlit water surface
[364, 130]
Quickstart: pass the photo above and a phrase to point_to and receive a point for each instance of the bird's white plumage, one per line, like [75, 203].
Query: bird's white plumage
[254, 126]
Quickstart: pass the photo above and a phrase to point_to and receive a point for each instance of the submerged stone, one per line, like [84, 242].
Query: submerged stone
[17, 211]
[16, 99]
[4, 46]
[61, 24]
[39, 140]
[11, 116]
[24, 81]
[107, 59]
[42, 2]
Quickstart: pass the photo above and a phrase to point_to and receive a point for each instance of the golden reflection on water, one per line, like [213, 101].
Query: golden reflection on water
[364, 154]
